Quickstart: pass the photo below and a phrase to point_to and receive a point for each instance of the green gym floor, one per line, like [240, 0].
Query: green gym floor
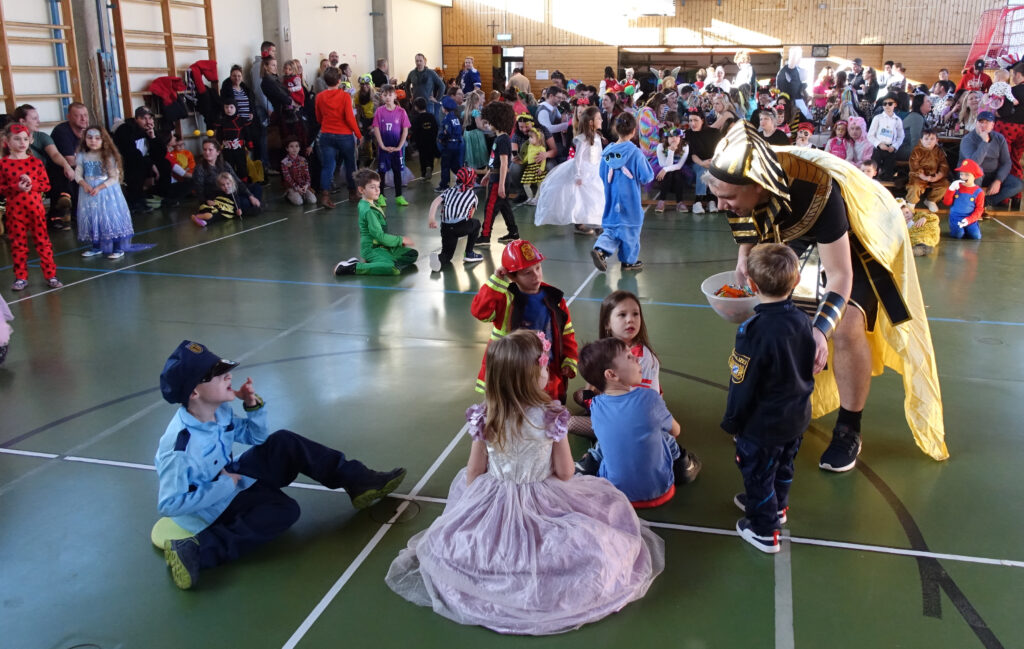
[901, 552]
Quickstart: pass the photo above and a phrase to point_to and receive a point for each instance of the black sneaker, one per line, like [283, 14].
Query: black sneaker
[587, 465]
[385, 483]
[600, 258]
[347, 267]
[740, 500]
[638, 265]
[686, 468]
[440, 189]
[182, 558]
[509, 238]
[482, 242]
[769, 544]
[582, 229]
[841, 454]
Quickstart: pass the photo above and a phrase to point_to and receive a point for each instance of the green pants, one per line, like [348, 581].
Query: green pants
[387, 261]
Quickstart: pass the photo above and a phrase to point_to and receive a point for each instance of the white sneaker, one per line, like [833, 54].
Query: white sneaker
[435, 261]
[117, 254]
[91, 252]
[698, 208]
[932, 207]
[712, 206]
[532, 201]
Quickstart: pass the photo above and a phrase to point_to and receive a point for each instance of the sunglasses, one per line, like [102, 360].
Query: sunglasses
[674, 132]
[889, 103]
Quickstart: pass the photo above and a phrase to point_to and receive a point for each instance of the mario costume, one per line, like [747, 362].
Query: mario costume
[966, 202]
[234, 505]
[625, 171]
[501, 302]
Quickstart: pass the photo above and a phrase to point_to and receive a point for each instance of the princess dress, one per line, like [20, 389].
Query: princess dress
[562, 201]
[104, 219]
[520, 551]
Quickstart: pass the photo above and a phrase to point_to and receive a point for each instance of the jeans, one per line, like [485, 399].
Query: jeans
[330, 147]
[700, 188]
[1012, 186]
[767, 476]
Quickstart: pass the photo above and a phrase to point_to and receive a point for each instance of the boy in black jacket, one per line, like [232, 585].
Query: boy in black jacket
[769, 404]
[424, 134]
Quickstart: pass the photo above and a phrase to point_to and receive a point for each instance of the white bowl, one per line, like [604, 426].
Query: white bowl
[733, 309]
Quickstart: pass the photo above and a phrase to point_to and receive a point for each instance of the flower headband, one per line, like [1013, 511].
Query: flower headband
[582, 101]
[18, 128]
[545, 356]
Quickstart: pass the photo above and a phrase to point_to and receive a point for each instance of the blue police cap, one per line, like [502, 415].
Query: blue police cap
[449, 103]
[188, 366]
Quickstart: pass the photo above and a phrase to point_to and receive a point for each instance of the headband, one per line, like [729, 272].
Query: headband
[18, 128]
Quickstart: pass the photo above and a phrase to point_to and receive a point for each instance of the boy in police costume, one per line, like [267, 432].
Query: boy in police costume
[231, 505]
[769, 404]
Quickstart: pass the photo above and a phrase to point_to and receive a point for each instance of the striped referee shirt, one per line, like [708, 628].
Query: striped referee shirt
[457, 205]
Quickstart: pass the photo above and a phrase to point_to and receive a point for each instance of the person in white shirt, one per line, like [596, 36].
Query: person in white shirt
[551, 118]
[886, 135]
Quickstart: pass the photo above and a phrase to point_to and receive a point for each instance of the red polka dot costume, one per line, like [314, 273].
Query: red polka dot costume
[25, 214]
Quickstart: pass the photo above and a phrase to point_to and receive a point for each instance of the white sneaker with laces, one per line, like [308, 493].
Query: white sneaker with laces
[932, 207]
[712, 206]
[698, 208]
[435, 261]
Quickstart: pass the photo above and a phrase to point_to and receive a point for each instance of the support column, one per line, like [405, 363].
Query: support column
[381, 13]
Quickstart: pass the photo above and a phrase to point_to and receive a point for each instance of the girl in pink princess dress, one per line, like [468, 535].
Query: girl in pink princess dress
[524, 546]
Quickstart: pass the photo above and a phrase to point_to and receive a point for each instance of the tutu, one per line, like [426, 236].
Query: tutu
[520, 551]
[476, 149]
[561, 201]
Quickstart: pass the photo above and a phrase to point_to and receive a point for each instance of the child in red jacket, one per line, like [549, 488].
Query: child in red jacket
[516, 297]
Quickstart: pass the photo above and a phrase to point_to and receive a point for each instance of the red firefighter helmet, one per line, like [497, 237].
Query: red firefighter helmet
[520, 254]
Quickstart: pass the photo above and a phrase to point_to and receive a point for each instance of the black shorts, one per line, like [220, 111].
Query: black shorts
[862, 294]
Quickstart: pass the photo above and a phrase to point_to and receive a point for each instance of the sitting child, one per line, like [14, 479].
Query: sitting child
[384, 253]
[769, 403]
[840, 144]
[516, 297]
[929, 172]
[966, 202]
[803, 135]
[295, 174]
[999, 92]
[233, 506]
[457, 206]
[870, 169]
[223, 206]
[923, 228]
[636, 434]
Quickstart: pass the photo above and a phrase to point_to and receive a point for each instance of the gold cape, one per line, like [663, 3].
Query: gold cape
[877, 221]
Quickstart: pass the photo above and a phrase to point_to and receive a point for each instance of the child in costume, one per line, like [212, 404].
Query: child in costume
[205, 180]
[769, 403]
[523, 547]
[840, 144]
[235, 138]
[637, 449]
[999, 92]
[502, 119]
[923, 228]
[966, 202]
[224, 205]
[232, 506]
[450, 141]
[384, 253]
[516, 297]
[457, 205]
[534, 164]
[295, 174]
[23, 182]
[673, 153]
[929, 171]
[803, 135]
[365, 104]
[391, 128]
[103, 216]
[573, 192]
[862, 147]
[183, 163]
[625, 171]
[424, 135]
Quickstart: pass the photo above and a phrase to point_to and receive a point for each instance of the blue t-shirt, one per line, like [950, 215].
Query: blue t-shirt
[631, 429]
[536, 315]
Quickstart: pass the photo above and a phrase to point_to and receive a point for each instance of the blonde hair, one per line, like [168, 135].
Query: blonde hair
[512, 377]
[229, 179]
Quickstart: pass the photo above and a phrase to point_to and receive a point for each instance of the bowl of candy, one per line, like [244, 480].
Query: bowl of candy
[729, 300]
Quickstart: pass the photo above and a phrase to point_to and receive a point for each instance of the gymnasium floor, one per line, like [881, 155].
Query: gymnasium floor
[902, 552]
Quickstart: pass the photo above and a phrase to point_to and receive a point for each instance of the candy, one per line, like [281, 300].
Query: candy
[731, 290]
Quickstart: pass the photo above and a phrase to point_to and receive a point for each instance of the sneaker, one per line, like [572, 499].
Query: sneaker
[520, 198]
[482, 242]
[428, 172]
[381, 201]
[686, 468]
[347, 267]
[400, 200]
[509, 238]
[921, 250]
[740, 500]
[698, 208]
[92, 252]
[660, 207]
[182, 557]
[587, 465]
[19, 285]
[3, 353]
[841, 454]
[681, 207]
[532, 201]
[117, 254]
[440, 189]
[932, 207]
[769, 544]
[472, 258]
[600, 258]
[712, 206]
[582, 229]
[384, 483]
[198, 221]
[638, 265]
[435, 261]
[53, 282]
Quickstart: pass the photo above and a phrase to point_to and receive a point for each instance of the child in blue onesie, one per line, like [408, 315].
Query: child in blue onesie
[625, 171]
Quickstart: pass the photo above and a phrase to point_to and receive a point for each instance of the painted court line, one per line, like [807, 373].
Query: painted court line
[784, 634]
[1008, 228]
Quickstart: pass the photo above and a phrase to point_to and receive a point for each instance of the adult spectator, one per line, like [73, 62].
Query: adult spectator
[145, 159]
[318, 83]
[520, 137]
[1010, 120]
[943, 86]
[913, 124]
[855, 78]
[339, 137]
[261, 109]
[991, 152]
[424, 82]
[333, 59]
[790, 80]
[975, 78]
[519, 81]
[236, 90]
[885, 74]
[867, 95]
[469, 77]
[346, 73]
[550, 117]
[379, 76]
[66, 137]
[769, 129]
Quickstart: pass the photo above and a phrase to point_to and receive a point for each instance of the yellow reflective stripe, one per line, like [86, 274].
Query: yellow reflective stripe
[496, 334]
[480, 385]
[570, 362]
[568, 329]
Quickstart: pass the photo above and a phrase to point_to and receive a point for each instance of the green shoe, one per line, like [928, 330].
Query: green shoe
[182, 557]
[400, 200]
[389, 482]
[381, 201]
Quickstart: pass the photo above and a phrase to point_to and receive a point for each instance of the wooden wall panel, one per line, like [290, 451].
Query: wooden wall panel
[585, 63]
[455, 55]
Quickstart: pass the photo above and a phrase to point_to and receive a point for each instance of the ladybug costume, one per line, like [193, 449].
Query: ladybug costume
[25, 214]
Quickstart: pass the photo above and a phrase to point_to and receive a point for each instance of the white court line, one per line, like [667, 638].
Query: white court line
[142, 263]
[1008, 228]
[13, 451]
[784, 633]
